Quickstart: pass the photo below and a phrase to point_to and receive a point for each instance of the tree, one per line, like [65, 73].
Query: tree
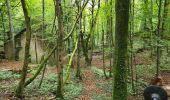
[165, 15]
[121, 37]
[20, 88]
[59, 12]
[131, 33]
[11, 32]
[78, 72]
[158, 53]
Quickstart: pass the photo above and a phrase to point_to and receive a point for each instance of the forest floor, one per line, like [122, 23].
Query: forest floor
[94, 85]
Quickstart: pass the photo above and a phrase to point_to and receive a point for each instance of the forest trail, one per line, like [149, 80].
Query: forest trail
[166, 81]
[90, 85]
[6, 65]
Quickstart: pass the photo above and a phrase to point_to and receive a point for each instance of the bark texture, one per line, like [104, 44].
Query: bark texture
[20, 88]
[121, 37]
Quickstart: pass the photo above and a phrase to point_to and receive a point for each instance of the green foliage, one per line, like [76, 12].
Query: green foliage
[139, 86]
[101, 82]
[5, 75]
[106, 85]
[72, 91]
[101, 97]
[145, 71]
[165, 62]
[33, 70]
[49, 86]
[98, 72]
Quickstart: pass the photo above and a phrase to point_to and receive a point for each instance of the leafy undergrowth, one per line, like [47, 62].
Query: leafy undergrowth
[101, 97]
[49, 86]
[71, 90]
[94, 85]
[104, 84]
[5, 75]
[165, 62]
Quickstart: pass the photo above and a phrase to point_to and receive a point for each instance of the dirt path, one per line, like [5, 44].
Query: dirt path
[166, 81]
[10, 65]
[90, 87]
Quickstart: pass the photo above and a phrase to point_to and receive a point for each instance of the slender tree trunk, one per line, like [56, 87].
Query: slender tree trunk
[84, 43]
[11, 37]
[59, 13]
[43, 18]
[143, 25]
[43, 15]
[121, 38]
[108, 24]
[131, 43]
[92, 32]
[158, 41]
[78, 73]
[136, 74]
[36, 54]
[111, 37]
[165, 15]
[104, 67]
[3, 25]
[42, 77]
[92, 29]
[151, 27]
[20, 88]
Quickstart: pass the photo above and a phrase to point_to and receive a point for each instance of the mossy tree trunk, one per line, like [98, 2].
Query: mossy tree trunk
[131, 33]
[84, 44]
[103, 54]
[78, 72]
[121, 39]
[20, 88]
[59, 12]
[92, 32]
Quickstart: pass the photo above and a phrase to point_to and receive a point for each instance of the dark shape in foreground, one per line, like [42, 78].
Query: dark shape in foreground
[155, 93]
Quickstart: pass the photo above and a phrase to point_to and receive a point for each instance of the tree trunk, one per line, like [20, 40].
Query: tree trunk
[104, 67]
[111, 37]
[121, 38]
[158, 41]
[131, 43]
[3, 25]
[151, 27]
[59, 13]
[36, 54]
[92, 29]
[20, 88]
[78, 72]
[92, 33]
[165, 15]
[11, 32]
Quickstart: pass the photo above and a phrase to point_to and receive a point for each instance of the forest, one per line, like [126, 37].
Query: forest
[84, 49]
